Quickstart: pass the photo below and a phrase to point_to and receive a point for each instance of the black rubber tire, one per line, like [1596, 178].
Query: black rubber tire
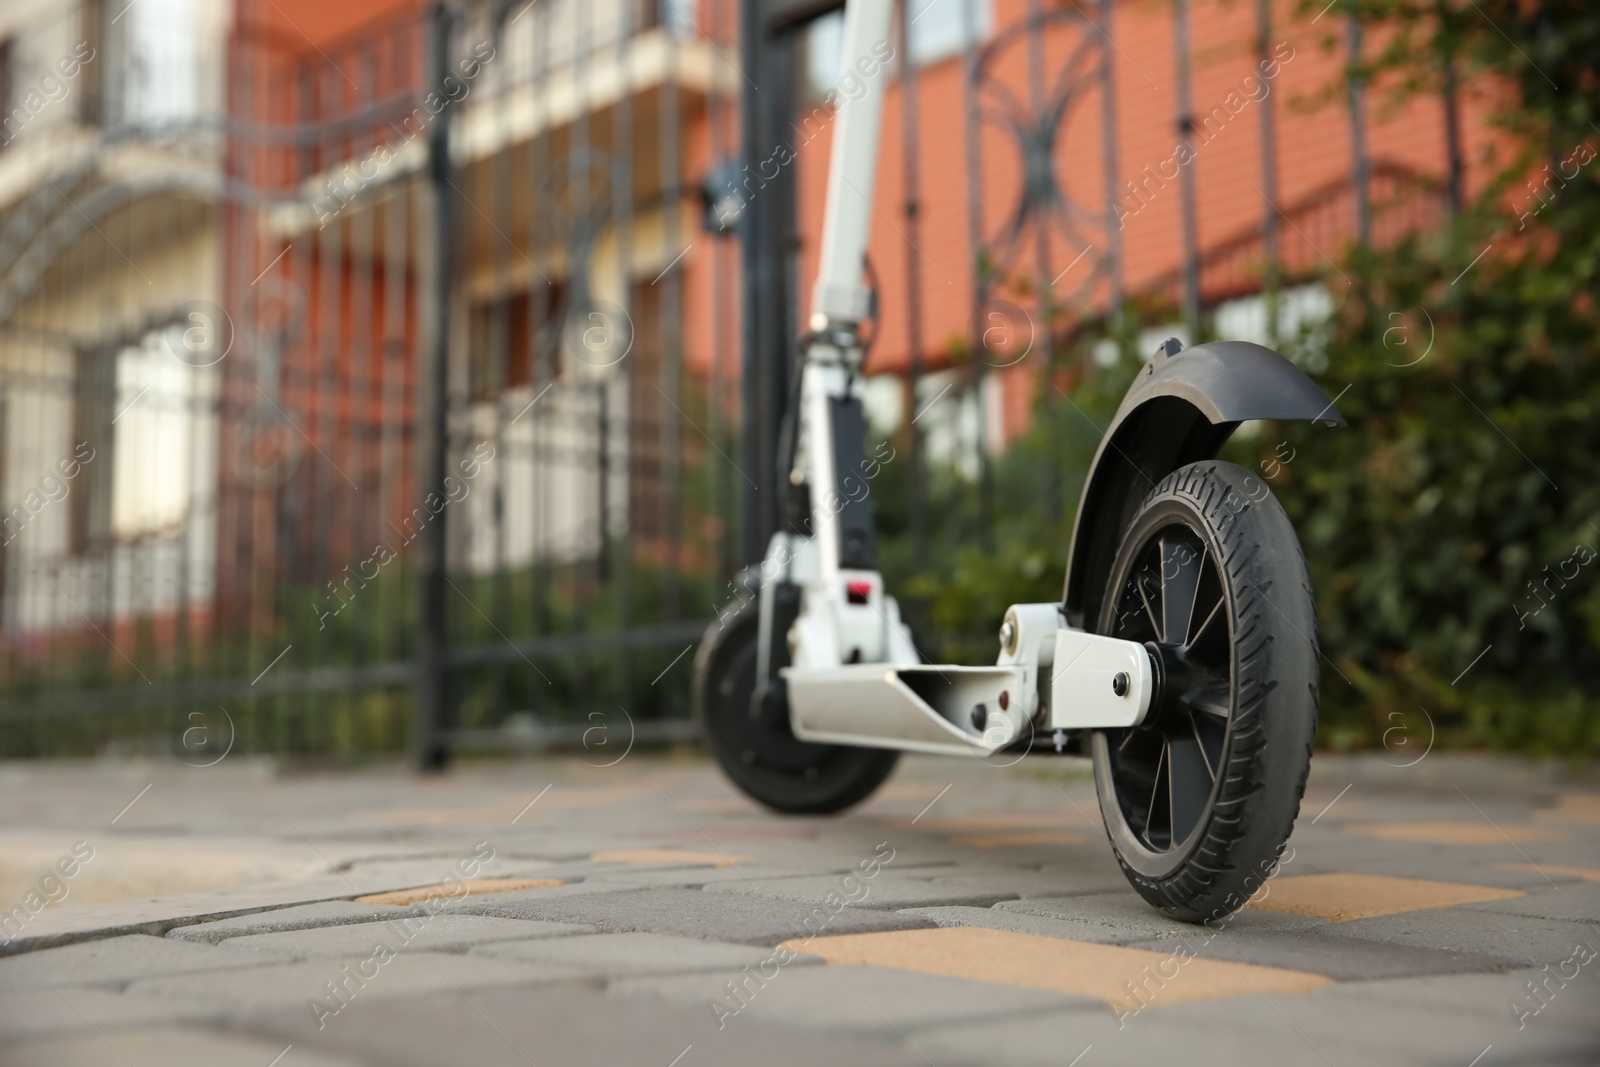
[1214, 861]
[765, 761]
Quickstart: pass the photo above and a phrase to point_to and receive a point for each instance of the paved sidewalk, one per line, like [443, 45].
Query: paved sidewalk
[554, 913]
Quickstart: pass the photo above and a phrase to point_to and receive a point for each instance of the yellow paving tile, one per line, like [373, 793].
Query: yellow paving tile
[1573, 807]
[1343, 897]
[665, 855]
[1122, 977]
[1027, 837]
[474, 887]
[1454, 833]
[1588, 874]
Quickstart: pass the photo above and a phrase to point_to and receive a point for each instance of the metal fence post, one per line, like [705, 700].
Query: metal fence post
[1187, 179]
[768, 242]
[1359, 164]
[430, 745]
[1272, 272]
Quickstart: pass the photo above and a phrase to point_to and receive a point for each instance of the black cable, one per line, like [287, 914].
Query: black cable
[788, 429]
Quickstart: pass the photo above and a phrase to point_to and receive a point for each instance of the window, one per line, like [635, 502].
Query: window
[677, 17]
[939, 27]
[159, 75]
[937, 31]
[824, 42]
[153, 444]
[91, 89]
[504, 335]
[680, 18]
[8, 61]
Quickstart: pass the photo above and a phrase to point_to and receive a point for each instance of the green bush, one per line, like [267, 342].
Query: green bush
[1459, 515]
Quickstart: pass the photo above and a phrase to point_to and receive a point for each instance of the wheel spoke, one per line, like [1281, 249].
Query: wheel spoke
[1209, 606]
[1150, 612]
[1165, 772]
[1189, 785]
[1212, 733]
[1205, 754]
[1181, 565]
[1156, 801]
[1211, 698]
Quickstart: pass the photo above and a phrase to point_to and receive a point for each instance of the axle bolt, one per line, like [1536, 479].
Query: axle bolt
[1008, 636]
[980, 717]
[1119, 684]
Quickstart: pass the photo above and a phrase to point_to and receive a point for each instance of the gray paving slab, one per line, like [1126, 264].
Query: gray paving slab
[31, 1013]
[301, 983]
[1512, 937]
[491, 903]
[1093, 928]
[163, 1047]
[1090, 1037]
[1122, 917]
[698, 876]
[114, 962]
[436, 933]
[996, 919]
[1466, 864]
[1572, 902]
[65, 926]
[570, 1026]
[1343, 959]
[1241, 1031]
[1029, 884]
[889, 889]
[741, 918]
[1569, 1005]
[632, 955]
[386, 829]
[302, 917]
[1456, 1021]
[872, 1000]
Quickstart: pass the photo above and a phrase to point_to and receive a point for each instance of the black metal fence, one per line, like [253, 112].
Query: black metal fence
[394, 389]
[357, 408]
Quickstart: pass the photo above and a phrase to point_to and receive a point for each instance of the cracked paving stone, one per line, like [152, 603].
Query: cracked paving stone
[746, 918]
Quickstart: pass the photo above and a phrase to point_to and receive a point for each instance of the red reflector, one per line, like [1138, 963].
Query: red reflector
[858, 592]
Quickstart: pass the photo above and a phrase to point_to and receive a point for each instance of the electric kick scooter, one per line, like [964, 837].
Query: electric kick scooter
[1182, 657]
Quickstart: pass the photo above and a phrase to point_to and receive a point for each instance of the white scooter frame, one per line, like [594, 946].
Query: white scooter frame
[855, 677]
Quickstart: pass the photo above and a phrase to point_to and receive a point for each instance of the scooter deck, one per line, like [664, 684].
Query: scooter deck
[944, 710]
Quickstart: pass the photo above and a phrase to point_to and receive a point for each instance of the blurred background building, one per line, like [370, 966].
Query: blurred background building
[236, 240]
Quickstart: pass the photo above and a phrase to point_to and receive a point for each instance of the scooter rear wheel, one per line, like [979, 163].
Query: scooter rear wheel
[1199, 799]
[761, 755]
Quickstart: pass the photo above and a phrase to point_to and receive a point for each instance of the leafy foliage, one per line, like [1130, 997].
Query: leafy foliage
[1459, 516]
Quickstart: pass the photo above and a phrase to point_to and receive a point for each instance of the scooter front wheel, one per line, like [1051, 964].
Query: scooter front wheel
[760, 754]
[1200, 797]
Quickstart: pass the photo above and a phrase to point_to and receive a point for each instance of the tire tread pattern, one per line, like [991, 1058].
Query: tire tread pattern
[1273, 727]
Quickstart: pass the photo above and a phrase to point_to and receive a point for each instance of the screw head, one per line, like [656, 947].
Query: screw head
[1008, 636]
[1005, 699]
[1119, 684]
[980, 717]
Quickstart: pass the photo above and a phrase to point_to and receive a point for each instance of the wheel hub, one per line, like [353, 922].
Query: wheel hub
[1171, 676]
